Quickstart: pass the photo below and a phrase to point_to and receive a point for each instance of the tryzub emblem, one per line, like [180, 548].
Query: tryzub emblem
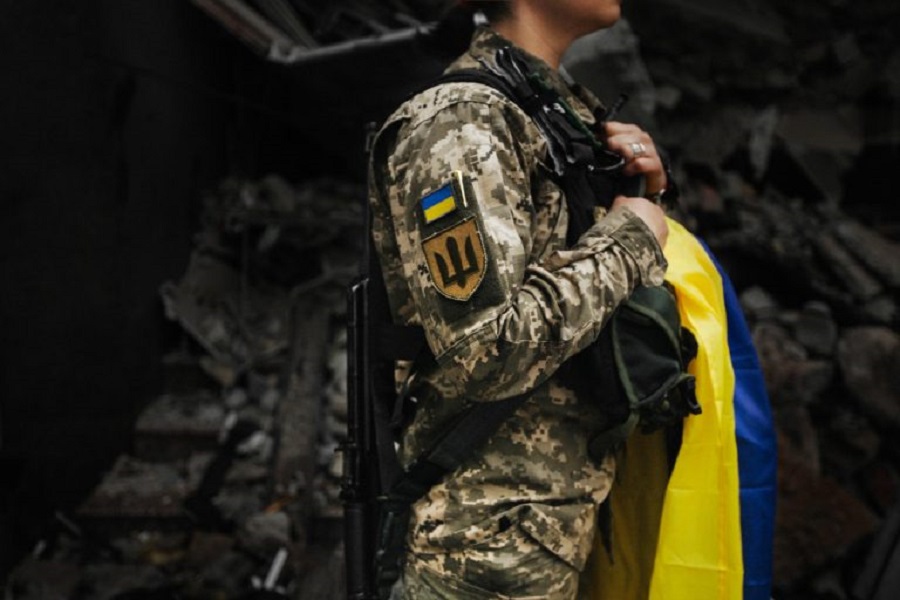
[456, 259]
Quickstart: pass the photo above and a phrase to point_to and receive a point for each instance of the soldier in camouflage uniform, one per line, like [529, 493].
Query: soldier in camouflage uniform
[470, 230]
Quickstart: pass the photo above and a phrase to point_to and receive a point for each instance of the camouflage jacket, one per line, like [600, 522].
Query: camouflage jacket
[470, 230]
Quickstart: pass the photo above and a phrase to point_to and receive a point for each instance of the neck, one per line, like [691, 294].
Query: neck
[536, 34]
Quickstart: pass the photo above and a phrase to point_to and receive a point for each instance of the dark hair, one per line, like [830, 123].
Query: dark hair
[454, 30]
[493, 9]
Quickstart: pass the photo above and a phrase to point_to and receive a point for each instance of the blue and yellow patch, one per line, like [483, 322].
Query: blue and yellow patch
[439, 203]
[443, 201]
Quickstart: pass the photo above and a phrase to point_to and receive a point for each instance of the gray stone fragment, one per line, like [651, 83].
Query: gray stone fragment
[43, 580]
[877, 253]
[823, 145]
[791, 377]
[849, 442]
[265, 533]
[815, 328]
[881, 310]
[818, 522]
[106, 581]
[869, 359]
[758, 304]
[752, 19]
[854, 278]
[762, 134]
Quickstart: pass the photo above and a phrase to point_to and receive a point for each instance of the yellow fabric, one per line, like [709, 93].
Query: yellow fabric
[698, 554]
[636, 504]
[445, 206]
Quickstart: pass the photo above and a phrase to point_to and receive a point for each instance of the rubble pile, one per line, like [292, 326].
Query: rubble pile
[781, 123]
[833, 386]
[229, 490]
[799, 97]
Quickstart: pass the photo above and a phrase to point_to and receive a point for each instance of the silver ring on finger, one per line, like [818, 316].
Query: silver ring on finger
[638, 149]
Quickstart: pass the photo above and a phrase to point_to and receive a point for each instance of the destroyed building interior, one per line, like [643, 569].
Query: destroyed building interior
[182, 195]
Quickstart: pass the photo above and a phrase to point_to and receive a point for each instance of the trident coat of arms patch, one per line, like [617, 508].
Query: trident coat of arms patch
[456, 259]
[454, 249]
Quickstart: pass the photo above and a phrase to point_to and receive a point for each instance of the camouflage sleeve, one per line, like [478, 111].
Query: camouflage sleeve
[498, 321]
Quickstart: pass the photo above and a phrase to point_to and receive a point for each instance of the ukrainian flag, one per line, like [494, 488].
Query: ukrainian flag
[706, 530]
[438, 203]
[757, 450]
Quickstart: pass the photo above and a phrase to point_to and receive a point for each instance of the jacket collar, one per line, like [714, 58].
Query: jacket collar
[485, 44]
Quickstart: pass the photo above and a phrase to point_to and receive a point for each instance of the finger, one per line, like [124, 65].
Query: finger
[647, 165]
[630, 148]
[628, 132]
[633, 136]
[616, 128]
[655, 179]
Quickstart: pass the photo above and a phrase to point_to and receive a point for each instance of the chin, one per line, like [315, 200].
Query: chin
[608, 16]
[613, 14]
[588, 16]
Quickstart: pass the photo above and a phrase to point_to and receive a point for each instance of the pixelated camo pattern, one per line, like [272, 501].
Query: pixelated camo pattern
[539, 304]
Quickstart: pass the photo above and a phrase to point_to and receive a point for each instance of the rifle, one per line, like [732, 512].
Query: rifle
[370, 460]
[358, 472]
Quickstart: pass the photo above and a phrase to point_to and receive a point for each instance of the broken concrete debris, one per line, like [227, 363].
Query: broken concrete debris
[834, 397]
[173, 427]
[222, 493]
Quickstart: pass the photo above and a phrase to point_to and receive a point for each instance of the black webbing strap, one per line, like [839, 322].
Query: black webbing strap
[468, 434]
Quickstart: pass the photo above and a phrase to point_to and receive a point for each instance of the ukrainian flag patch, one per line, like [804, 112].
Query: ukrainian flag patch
[439, 203]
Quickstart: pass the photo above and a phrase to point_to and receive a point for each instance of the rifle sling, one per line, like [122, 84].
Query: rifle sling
[460, 441]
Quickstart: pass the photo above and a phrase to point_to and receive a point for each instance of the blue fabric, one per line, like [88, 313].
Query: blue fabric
[437, 196]
[757, 450]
